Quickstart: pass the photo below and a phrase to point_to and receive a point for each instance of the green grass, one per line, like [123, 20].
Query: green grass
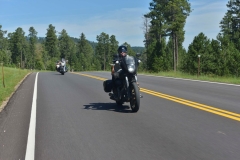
[12, 77]
[212, 78]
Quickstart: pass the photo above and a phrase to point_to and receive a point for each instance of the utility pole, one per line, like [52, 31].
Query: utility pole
[198, 64]
[21, 58]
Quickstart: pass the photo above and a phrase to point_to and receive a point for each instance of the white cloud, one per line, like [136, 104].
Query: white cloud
[125, 24]
[204, 18]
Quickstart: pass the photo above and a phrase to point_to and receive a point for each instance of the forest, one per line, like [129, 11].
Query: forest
[163, 32]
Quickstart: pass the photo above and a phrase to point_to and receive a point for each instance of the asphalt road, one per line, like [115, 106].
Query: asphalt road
[75, 119]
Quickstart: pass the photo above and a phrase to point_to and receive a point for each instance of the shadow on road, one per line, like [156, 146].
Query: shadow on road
[58, 74]
[108, 107]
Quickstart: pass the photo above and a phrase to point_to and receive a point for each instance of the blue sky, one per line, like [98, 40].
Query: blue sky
[92, 17]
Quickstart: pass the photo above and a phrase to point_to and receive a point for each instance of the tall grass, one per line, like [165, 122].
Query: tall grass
[12, 76]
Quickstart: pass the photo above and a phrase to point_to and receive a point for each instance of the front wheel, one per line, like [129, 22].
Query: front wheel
[119, 102]
[135, 97]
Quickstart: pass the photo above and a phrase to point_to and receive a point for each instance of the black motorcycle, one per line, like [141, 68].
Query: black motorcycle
[124, 88]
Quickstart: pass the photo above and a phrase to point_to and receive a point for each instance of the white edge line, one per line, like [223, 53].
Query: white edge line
[229, 84]
[30, 151]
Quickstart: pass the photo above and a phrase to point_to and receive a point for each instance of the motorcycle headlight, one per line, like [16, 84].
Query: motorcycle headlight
[131, 69]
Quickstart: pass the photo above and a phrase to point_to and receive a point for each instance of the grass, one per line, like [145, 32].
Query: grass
[12, 76]
[211, 78]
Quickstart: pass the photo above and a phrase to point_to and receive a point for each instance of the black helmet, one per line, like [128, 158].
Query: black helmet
[122, 49]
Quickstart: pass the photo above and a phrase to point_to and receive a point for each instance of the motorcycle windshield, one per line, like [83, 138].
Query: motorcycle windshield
[130, 66]
[129, 60]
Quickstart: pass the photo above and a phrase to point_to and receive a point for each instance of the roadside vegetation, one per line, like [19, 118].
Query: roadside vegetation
[211, 78]
[12, 77]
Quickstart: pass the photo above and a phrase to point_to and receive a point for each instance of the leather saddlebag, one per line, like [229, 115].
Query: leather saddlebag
[107, 85]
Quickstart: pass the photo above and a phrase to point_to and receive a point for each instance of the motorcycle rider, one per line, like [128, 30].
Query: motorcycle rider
[58, 65]
[116, 69]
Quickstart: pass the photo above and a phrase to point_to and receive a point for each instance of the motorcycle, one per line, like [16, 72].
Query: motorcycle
[61, 66]
[125, 88]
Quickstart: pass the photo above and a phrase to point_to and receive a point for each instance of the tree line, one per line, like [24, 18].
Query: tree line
[32, 52]
[164, 36]
[163, 28]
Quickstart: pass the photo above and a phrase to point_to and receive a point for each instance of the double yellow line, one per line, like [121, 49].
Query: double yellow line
[210, 109]
[90, 76]
[221, 112]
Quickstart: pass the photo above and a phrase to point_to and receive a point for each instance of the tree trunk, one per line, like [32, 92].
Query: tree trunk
[104, 61]
[176, 50]
[174, 54]
[21, 60]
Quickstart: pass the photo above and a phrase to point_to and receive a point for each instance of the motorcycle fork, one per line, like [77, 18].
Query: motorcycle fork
[128, 89]
[133, 80]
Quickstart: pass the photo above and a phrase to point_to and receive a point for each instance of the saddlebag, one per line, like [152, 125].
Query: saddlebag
[107, 85]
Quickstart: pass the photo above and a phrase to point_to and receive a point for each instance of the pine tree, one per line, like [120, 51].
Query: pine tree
[230, 24]
[113, 45]
[199, 46]
[103, 49]
[19, 47]
[65, 44]
[5, 54]
[228, 58]
[51, 42]
[176, 14]
[167, 19]
[85, 52]
[32, 46]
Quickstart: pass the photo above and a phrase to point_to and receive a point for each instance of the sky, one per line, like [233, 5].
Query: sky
[124, 18]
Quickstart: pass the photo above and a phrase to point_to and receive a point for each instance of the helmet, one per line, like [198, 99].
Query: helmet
[122, 49]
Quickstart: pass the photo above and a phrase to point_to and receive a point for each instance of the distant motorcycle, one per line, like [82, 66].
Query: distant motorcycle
[126, 88]
[61, 66]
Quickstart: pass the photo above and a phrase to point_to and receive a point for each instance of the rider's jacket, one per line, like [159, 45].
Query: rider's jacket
[117, 66]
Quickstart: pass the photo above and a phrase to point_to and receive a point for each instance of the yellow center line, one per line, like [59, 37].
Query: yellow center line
[86, 75]
[221, 112]
[210, 109]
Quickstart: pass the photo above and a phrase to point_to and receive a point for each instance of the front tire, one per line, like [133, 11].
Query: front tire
[119, 102]
[135, 97]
